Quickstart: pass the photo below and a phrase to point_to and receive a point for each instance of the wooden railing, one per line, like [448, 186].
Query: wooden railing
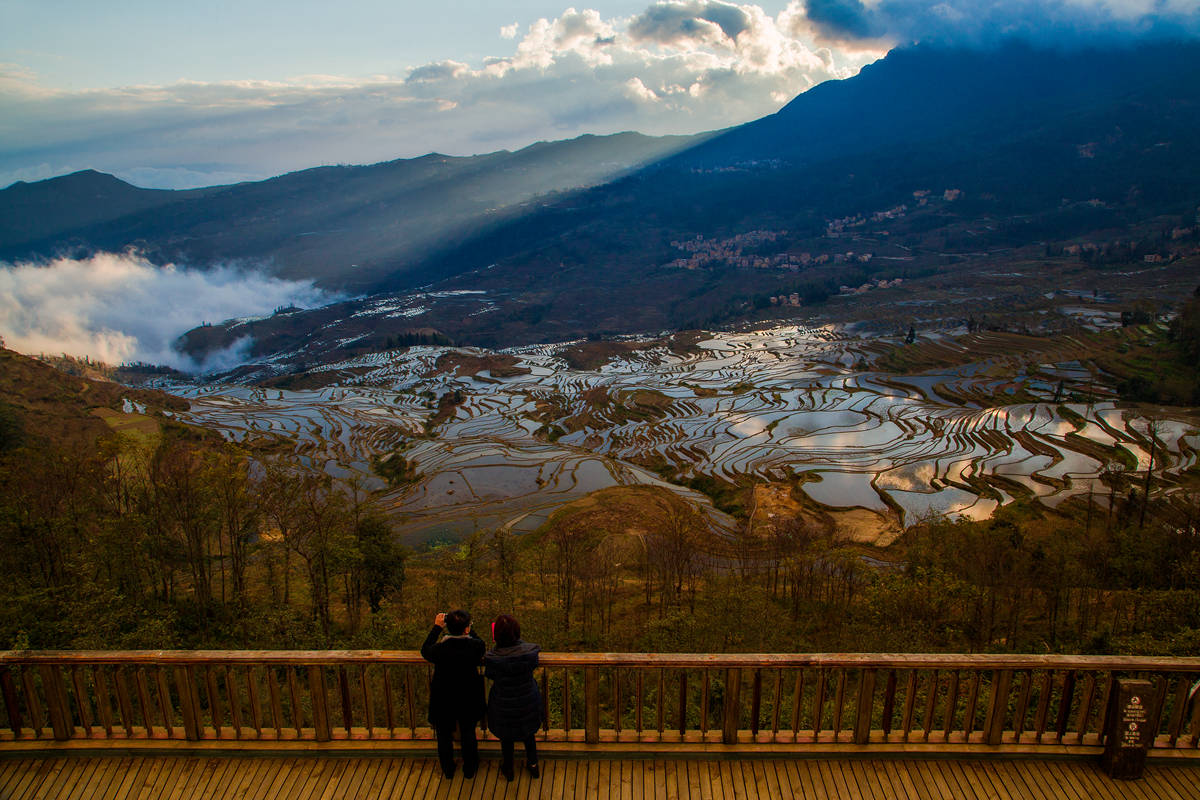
[951, 701]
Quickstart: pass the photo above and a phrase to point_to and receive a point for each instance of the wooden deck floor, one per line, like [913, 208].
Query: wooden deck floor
[327, 778]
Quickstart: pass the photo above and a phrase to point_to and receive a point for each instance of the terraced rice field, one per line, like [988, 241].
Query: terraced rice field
[781, 404]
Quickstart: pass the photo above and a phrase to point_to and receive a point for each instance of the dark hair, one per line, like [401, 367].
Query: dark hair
[457, 622]
[506, 630]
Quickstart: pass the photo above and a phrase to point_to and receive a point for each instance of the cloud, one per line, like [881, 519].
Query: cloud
[510, 31]
[981, 22]
[710, 63]
[119, 307]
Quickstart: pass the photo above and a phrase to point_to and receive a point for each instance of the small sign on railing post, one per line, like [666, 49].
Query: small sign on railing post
[1131, 724]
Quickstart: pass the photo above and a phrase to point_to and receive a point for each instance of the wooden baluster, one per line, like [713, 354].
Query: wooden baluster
[778, 702]
[389, 709]
[276, 701]
[1022, 705]
[591, 705]
[347, 703]
[214, 695]
[1043, 709]
[998, 707]
[732, 713]
[143, 693]
[103, 702]
[660, 702]
[910, 704]
[410, 695]
[972, 703]
[164, 701]
[930, 702]
[755, 703]
[866, 705]
[11, 704]
[819, 703]
[58, 705]
[640, 702]
[32, 704]
[889, 703]
[368, 700]
[1066, 700]
[546, 701]
[185, 680]
[662, 691]
[1085, 707]
[704, 691]
[839, 703]
[618, 709]
[683, 703]
[566, 682]
[1194, 724]
[124, 706]
[797, 703]
[1110, 685]
[318, 693]
[1178, 710]
[951, 704]
[82, 704]
[235, 699]
[297, 710]
[255, 701]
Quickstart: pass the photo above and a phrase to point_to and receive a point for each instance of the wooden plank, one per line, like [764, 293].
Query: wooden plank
[12, 706]
[732, 711]
[839, 703]
[1085, 707]
[235, 699]
[187, 703]
[297, 710]
[910, 701]
[276, 703]
[1043, 709]
[389, 708]
[998, 707]
[215, 711]
[951, 709]
[797, 703]
[164, 701]
[755, 702]
[124, 706]
[344, 694]
[1178, 711]
[591, 704]
[866, 706]
[819, 704]
[304, 658]
[889, 703]
[103, 701]
[253, 696]
[973, 705]
[931, 690]
[364, 685]
[141, 681]
[83, 705]
[1022, 709]
[1065, 702]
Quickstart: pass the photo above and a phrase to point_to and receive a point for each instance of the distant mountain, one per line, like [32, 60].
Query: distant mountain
[36, 212]
[346, 227]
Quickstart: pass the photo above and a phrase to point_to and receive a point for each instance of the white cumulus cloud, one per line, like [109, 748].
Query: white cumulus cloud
[119, 307]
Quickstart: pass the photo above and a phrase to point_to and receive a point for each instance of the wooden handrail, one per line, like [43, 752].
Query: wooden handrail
[666, 660]
[768, 699]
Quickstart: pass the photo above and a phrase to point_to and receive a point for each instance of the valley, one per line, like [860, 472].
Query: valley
[799, 408]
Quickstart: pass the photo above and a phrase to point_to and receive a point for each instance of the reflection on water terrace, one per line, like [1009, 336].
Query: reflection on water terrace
[771, 404]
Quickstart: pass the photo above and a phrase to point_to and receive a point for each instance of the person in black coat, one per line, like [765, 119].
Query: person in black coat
[456, 697]
[514, 707]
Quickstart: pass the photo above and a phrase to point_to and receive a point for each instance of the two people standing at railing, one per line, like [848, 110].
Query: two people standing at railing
[456, 697]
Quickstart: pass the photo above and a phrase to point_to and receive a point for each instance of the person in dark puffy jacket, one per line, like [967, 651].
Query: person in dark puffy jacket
[514, 708]
[456, 693]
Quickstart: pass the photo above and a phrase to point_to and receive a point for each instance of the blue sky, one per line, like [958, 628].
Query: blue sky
[172, 95]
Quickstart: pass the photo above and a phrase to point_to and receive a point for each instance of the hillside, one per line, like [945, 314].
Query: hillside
[1067, 167]
[344, 227]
